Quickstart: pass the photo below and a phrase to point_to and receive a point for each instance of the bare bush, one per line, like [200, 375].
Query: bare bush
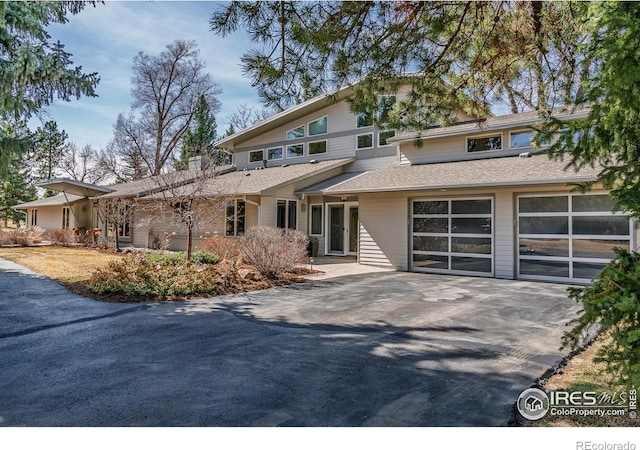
[161, 241]
[60, 237]
[273, 251]
[22, 237]
[226, 248]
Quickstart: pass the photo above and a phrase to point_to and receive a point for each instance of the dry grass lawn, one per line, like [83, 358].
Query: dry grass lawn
[583, 374]
[63, 264]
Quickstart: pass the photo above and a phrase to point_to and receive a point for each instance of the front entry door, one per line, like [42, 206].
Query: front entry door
[342, 223]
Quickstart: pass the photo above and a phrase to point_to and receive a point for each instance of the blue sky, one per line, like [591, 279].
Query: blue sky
[105, 39]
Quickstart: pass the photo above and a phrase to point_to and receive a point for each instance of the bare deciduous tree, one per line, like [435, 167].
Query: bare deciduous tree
[247, 115]
[83, 164]
[117, 214]
[189, 200]
[165, 90]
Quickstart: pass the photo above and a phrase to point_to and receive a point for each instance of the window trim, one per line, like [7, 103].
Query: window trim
[234, 203]
[385, 131]
[326, 147]
[304, 133]
[262, 158]
[365, 134]
[275, 148]
[311, 206]
[358, 127]
[511, 133]
[125, 231]
[66, 221]
[326, 117]
[295, 145]
[287, 201]
[481, 136]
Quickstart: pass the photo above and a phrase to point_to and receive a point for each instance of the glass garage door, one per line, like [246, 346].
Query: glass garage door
[452, 236]
[568, 237]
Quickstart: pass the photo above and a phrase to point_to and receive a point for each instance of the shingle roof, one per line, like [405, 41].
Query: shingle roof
[56, 200]
[150, 184]
[494, 123]
[507, 171]
[259, 181]
[330, 183]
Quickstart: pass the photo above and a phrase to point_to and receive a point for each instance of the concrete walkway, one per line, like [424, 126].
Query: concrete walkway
[383, 349]
[339, 266]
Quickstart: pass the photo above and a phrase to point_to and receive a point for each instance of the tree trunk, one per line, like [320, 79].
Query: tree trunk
[189, 242]
[117, 242]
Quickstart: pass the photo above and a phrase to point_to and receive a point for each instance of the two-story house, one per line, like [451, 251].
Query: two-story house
[474, 198]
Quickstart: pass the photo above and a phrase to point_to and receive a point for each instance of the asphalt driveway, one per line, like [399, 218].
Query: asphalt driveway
[385, 349]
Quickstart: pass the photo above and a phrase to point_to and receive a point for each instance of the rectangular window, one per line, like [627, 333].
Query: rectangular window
[294, 151]
[364, 141]
[256, 156]
[125, 214]
[384, 135]
[235, 218]
[364, 119]
[317, 147]
[287, 214]
[65, 218]
[296, 133]
[385, 105]
[521, 139]
[274, 153]
[318, 126]
[316, 219]
[34, 217]
[484, 144]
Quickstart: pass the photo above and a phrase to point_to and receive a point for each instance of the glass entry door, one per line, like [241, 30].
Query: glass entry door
[343, 226]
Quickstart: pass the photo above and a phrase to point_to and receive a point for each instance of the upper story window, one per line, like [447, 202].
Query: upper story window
[256, 156]
[274, 153]
[521, 139]
[317, 147]
[364, 141]
[385, 105]
[484, 143]
[294, 151]
[296, 133]
[364, 119]
[384, 135]
[318, 126]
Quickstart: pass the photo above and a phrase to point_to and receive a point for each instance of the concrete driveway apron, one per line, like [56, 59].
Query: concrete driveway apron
[383, 349]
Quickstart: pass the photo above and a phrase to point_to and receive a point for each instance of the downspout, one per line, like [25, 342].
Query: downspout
[244, 199]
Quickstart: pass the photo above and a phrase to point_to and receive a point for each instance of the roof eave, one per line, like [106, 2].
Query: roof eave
[462, 186]
[480, 129]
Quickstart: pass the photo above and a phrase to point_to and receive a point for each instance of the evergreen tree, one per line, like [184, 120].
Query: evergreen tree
[35, 71]
[50, 145]
[198, 139]
[16, 186]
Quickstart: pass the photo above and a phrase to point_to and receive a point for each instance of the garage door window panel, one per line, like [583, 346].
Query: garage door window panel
[453, 235]
[571, 245]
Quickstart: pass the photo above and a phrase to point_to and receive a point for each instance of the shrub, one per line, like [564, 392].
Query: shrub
[273, 251]
[161, 241]
[23, 237]
[611, 302]
[226, 248]
[155, 276]
[59, 237]
[197, 257]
